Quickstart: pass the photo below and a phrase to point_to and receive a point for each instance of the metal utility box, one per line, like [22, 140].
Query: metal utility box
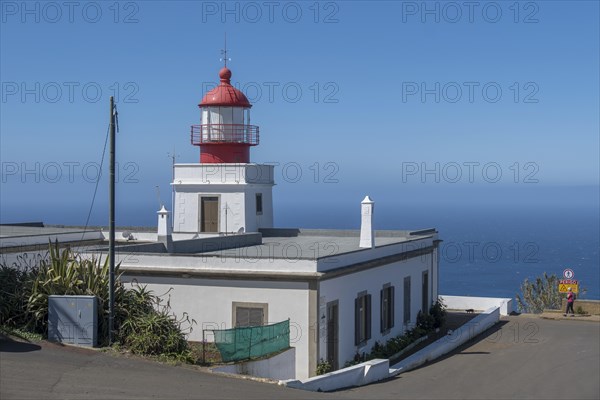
[73, 319]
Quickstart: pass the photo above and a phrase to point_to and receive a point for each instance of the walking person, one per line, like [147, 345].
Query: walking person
[570, 302]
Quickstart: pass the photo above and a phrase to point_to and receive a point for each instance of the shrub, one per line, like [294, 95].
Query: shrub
[539, 295]
[146, 326]
[15, 288]
[65, 273]
[438, 311]
[142, 323]
[425, 321]
[323, 367]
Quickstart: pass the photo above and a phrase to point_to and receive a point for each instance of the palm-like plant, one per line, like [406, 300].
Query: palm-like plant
[65, 273]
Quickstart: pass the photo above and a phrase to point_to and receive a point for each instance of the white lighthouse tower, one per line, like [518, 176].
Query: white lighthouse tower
[225, 192]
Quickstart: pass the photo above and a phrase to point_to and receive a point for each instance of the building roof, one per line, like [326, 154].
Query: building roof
[225, 94]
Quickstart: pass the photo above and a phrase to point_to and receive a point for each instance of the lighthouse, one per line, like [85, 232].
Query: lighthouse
[224, 192]
[225, 134]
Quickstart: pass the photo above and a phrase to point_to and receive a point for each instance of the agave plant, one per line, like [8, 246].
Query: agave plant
[65, 273]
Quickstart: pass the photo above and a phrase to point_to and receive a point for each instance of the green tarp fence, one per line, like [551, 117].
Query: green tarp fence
[253, 341]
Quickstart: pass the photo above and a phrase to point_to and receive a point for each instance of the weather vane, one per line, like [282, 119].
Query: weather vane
[224, 52]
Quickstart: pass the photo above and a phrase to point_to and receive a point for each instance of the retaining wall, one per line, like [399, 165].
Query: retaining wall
[477, 303]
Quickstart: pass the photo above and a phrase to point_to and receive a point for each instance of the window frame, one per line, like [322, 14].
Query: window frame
[362, 318]
[387, 308]
[258, 200]
[407, 300]
[238, 304]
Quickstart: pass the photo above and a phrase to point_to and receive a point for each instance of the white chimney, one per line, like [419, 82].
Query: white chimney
[164, 228]
[367, 237]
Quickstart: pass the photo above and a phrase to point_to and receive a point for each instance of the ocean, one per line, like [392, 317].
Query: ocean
[490, 251]
[491, 243]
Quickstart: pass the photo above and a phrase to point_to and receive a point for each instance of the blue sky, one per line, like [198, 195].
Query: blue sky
[411, 102]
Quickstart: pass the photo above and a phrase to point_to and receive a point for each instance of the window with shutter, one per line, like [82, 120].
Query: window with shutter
[249, 314]
[387, 308]
[407, 300]
[425, 292]
[362, 318]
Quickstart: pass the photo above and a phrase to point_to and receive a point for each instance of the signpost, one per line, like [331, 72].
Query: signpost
[568, 282]
[565, 284]
[568, 273]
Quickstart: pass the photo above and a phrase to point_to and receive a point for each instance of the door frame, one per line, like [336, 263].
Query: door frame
[333, 337]
[201, 216]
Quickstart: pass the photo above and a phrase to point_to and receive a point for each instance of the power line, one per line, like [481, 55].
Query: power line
[87, 221]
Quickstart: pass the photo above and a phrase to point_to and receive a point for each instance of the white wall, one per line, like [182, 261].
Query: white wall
[279, 367]
[28, 240]
[187, 207]
[477, 303]
[444, 345]
[340, 260]
[236, 186]
[346, 288]
[238, 259]
[209, 303]
[254, 220]
[355, 375]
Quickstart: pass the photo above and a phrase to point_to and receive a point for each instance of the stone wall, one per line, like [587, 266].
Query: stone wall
[589, 306]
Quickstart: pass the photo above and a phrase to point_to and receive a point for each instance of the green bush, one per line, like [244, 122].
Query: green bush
[438, 311]
[65, 273]
[146, 326]
[324, 367]
[15, 288]
[142, 323]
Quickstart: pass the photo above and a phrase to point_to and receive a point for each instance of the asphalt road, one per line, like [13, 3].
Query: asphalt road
[523, 357]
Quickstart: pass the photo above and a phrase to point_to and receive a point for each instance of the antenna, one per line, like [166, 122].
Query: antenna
[160, 204]
[224, 52]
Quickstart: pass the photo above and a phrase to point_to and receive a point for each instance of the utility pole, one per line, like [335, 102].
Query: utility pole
[111, 227]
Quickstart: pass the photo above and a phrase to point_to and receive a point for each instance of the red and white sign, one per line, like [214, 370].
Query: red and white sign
[568, 273]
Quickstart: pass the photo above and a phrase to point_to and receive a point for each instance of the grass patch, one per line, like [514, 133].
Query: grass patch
[21, 334]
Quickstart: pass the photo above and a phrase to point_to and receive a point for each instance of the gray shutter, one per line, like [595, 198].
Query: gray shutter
[368, 316]
[382, 311]
[357, 321]
[392, 306]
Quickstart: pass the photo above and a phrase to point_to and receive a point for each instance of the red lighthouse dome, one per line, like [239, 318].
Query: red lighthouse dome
[225, 94]
[225, 134]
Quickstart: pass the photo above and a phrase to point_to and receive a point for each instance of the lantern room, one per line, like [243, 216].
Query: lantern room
[225, 134]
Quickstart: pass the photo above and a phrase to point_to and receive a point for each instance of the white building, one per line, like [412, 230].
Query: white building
[225, 265]
[341, 290]
[340, 298]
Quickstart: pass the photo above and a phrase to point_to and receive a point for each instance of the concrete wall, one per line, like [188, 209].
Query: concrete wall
[477, 303]
[345, 289]
[29, 240]
[139, 236]
[363, 255]
[216, 243]
[209, 303]
[225, 173]
[229, 260]
[356, 375]
[256, 221]
[589, 306]
[279, 367]
[235, 185]
[442, 346]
